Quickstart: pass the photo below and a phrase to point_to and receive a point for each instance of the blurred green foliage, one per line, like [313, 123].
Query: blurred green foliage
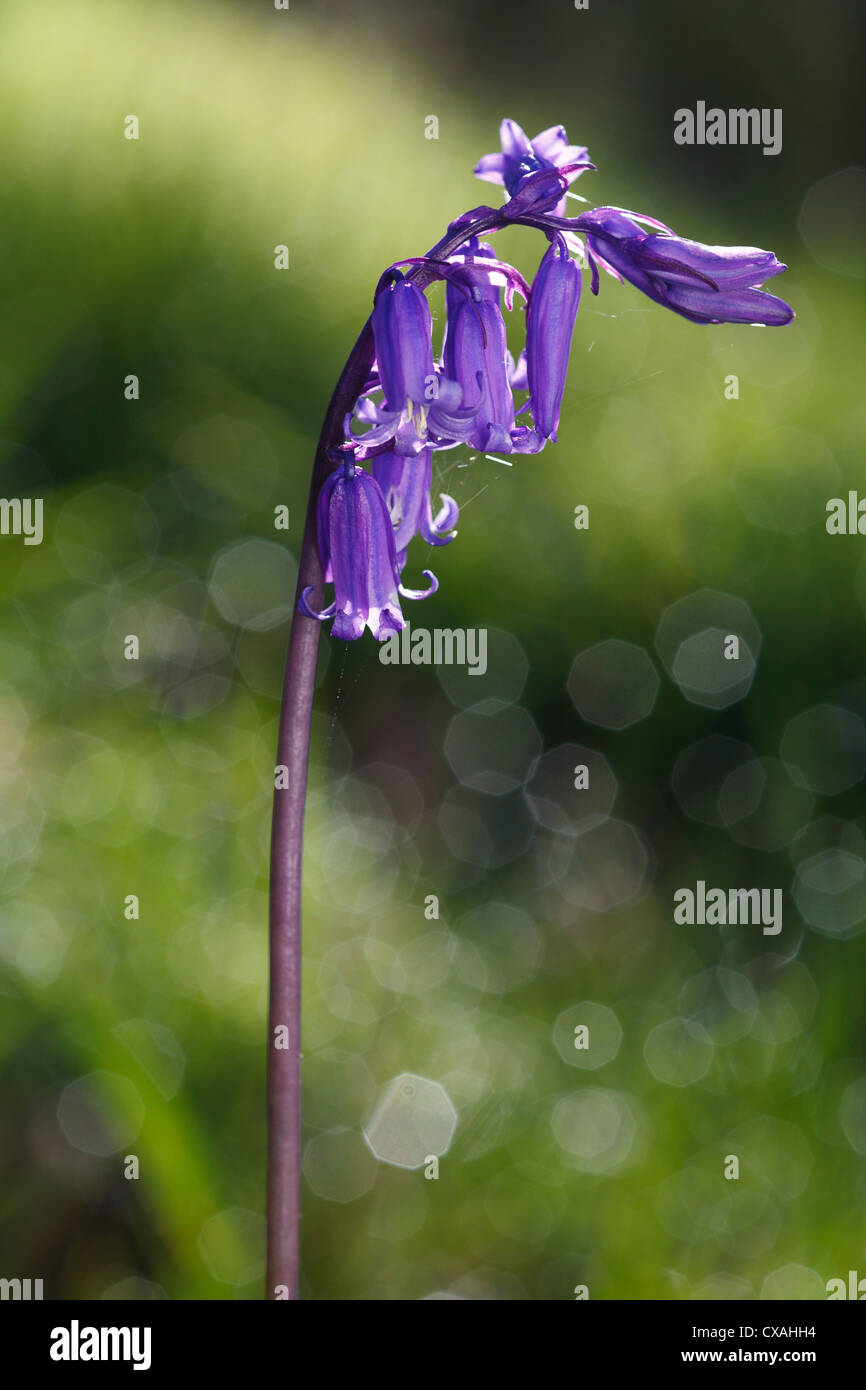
[155, 257]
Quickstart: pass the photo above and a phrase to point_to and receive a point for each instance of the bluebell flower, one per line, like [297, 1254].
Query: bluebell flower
[405, 484]
[535, 173]
[706, 284]
[476, 357]
[402, 329]
[421, 407]
[550, 319]
[358, 556]
[475, 352]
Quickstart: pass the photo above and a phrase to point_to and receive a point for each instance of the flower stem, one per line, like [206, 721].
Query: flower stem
[287, 834]
[293, 746]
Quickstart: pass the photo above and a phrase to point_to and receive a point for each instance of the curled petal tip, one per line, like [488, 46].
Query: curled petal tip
[439, 530]
[308, 612]
[421, 593]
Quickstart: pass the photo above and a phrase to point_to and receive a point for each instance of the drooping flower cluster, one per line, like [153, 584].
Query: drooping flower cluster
[416, 403]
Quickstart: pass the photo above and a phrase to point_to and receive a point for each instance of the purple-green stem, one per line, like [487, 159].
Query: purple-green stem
[287, 832]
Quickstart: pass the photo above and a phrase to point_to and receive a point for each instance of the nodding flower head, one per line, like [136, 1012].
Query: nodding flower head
[535, 172]
[411, 405]
[358, 555]
[706, 284]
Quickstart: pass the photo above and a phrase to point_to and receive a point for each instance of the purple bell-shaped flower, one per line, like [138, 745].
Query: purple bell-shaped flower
[706, 284]
[358, 555]
[550, 319]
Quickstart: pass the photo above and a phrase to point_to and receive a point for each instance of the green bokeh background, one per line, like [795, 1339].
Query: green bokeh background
[156, 257]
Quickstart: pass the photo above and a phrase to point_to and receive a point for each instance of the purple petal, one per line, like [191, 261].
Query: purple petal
[402, 329]
[309, 612]
[514, 140]
[517, 374]
[490, 167]
[541, 191]
[735, 267]
[384, 622]
[348, 627]
[323, 502]
[405, 485]
[642, 217]
[385, 429]
[553, 144]
[707, 284]
[497, 439]
[450, 426]
[421, 593]
[550, 323]
[526, 441]
[549, 143]
[449, 396]
[729, 306]
[439, 530]
[363, 556]
[618, 255]
[523, 160]
[476, 356]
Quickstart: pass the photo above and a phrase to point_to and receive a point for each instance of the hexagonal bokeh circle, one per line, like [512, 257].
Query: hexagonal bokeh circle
[613, 684]
[701, 772]
[607, 867]
[713, 668]
[595, 1128]
[413, 1121]
[587, 1035]
[483, 832]
[572, 788]
[702, 609]
[824, 749]
[502, 679]
[830, 892]
[831, 220]
[338, 1166]
[762, 807]
[492, 752]
[678, 1051]
[502, 946]
[252, 582]
[709, 643]
[232, 1245]
[101, 1113]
